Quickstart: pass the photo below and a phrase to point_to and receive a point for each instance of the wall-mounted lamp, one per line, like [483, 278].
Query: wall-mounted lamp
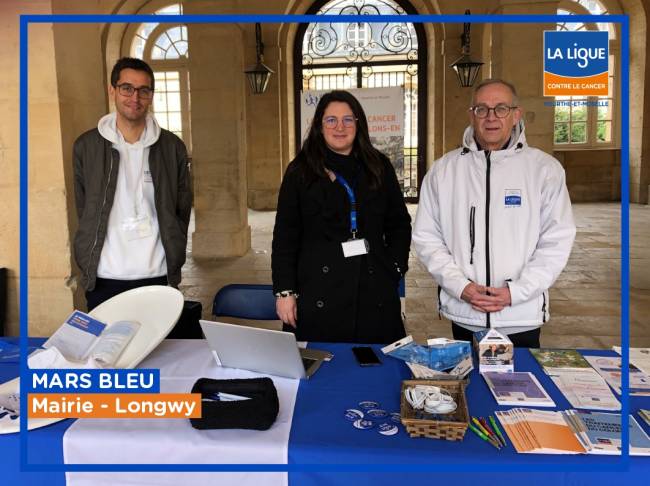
[465, 68]
[258, 75]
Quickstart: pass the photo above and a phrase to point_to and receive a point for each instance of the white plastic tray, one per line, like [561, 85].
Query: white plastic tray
[157, 308]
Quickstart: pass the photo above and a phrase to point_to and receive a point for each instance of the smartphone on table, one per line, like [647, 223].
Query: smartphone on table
[365, 356]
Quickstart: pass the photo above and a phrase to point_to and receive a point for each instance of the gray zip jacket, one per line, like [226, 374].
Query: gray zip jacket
[95, 178]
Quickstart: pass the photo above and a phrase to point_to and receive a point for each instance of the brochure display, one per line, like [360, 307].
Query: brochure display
[156, 308]
[571, 432]
[582, 386]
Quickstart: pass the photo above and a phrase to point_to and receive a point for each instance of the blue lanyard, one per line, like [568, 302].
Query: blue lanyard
[353, 204]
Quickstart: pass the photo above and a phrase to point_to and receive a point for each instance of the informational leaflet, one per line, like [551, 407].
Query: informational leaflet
[639, 357]
[550, 359]
[600, 433]
[610, 369]
[76, 336]
[84, 339]
[518, 388]
[585, 389]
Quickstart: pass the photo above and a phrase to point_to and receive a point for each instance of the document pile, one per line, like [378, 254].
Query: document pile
[570, 432]
[610, 369]
[540, 431]
[582, 386]
[600, 433]
[84, 342]
[440, 358]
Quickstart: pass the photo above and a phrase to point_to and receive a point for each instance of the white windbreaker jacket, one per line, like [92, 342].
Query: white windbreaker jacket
[495, 218]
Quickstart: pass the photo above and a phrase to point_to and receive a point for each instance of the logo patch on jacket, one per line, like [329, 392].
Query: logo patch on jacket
[513, 198]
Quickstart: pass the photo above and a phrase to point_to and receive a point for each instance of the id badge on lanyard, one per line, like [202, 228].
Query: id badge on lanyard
[354, 246]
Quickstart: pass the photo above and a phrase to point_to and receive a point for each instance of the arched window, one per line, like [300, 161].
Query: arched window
[333, 55]
[586, 124]
[165, 48]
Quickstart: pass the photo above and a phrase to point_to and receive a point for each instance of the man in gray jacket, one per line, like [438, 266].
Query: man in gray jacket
[132, 192]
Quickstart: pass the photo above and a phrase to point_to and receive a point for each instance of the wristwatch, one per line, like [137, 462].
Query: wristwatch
[286, 293]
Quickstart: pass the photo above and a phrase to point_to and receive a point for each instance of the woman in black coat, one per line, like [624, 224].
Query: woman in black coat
[322, 295]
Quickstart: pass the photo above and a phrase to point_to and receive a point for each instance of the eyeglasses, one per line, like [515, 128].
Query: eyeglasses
[483, 111]
[333, 122]
[126, 89]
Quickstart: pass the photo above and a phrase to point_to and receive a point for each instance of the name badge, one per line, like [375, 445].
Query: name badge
[512, 198]
[137, 227]
[356, 247]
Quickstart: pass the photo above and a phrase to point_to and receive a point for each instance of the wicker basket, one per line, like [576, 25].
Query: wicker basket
[452, 429]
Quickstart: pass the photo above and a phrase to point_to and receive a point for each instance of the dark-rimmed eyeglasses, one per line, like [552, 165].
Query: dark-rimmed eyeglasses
[331, 122]
[126, 89]
[483, 111]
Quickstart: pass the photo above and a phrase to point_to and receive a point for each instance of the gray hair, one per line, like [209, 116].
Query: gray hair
[489, 81]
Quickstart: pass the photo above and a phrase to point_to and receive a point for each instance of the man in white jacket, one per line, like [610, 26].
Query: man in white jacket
[494, 224]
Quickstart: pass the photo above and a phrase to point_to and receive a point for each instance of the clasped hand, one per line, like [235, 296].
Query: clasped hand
[486, 299]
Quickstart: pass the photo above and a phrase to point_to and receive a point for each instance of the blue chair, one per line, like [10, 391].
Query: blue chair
[245, 301]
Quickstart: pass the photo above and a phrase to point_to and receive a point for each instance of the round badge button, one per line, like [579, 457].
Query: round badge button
[352, 414]
[396, 417]
[364, 424]
[377, 413]
[368, 405]
[388, 429]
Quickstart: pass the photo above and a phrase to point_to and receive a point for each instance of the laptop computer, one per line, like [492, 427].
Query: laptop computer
[262, 350]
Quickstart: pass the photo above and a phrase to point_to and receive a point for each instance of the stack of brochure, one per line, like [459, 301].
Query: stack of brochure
[600, 433]
[570, 432]
[540, 431]
[519, 388]
[610, 369]
[582, 386]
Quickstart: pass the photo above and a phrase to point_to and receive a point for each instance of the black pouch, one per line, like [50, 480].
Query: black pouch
[258, 413]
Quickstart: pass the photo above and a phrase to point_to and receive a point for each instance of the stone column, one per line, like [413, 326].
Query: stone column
[218, 139]
[264, 161]
[513, 47]
[50, 300]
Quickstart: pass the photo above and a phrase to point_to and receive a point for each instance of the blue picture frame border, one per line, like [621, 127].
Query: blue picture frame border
[26, 20]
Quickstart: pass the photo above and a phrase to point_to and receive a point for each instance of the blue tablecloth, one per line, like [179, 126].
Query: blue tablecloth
[321, 435]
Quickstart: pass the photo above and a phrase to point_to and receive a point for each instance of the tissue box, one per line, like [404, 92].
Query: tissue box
[495, 351]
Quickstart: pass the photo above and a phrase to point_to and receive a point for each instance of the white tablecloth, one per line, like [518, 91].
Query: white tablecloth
[174, 441]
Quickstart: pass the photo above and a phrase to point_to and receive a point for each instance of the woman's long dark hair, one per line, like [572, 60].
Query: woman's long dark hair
[313, 153]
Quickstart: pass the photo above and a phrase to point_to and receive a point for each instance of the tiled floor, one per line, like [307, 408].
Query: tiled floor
[585, 301]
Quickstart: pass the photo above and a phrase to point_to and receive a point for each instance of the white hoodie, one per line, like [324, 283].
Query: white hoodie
[530, 234]
[122, 257]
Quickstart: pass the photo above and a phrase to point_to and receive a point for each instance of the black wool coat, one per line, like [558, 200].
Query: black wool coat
[342, 299]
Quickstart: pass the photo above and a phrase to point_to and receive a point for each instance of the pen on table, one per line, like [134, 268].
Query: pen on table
[496, 428]
[225, 397]
[482, 435]
[489, 435]
[480, 426]
[487, 427]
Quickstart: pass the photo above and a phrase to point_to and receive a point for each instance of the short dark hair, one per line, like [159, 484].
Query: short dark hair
[130, 63]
